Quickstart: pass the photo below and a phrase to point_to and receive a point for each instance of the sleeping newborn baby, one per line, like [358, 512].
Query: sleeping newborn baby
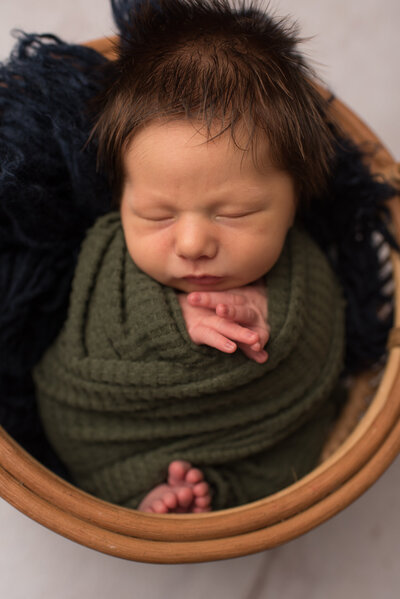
[159, 393]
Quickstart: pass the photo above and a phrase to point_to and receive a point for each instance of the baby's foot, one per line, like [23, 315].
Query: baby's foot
[184, 492]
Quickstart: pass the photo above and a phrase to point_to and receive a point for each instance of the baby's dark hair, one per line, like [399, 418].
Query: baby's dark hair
[216, 64]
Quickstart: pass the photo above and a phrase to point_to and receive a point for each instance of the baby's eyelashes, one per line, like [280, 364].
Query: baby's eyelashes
[236, 215]
[159, 219]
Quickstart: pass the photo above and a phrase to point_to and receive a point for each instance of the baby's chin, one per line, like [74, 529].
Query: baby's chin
[224, 284]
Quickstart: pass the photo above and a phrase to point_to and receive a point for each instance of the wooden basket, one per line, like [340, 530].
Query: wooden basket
[361, 457]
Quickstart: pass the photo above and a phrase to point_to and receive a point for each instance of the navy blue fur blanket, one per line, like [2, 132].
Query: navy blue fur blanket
[50, 193]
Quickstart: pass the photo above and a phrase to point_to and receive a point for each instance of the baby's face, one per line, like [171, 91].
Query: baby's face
[199, 216]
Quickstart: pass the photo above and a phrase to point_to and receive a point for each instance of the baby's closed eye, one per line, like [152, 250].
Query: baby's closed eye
[235, 215]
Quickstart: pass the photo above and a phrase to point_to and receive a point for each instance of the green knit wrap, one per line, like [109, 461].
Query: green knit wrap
[123, 391]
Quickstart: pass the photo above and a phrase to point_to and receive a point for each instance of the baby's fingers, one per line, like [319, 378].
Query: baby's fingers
[222, 334]
[211, 299]
[263, 334]
[203, 335]
[242, 314]
[260, 356]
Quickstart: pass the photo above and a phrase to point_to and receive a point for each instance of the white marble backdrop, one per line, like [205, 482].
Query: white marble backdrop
[355, 48]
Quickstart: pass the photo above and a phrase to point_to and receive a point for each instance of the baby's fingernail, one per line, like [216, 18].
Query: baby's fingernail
[256, 347]
[195, 297]
[230, 346]
[222, 309]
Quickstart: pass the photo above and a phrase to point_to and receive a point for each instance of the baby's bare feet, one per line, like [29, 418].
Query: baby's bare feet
[184, 492]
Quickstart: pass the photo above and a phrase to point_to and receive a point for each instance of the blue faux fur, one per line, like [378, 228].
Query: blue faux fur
[344, 222]
[51, 193]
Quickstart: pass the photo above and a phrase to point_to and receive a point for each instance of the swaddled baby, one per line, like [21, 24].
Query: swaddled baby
[159, 393]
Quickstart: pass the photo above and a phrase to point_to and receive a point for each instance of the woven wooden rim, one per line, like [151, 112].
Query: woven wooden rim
[264, 524]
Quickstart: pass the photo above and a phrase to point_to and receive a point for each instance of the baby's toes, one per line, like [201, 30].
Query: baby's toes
[201, 510]
[202, 497]
[147, 509]
[193, 476]
[170, 500]
[159, 507]
[202, 489]
[202, 502]
[184, 497]
[177, 471]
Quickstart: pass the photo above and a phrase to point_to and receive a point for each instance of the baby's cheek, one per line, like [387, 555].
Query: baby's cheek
[260, 256]
[155, 257]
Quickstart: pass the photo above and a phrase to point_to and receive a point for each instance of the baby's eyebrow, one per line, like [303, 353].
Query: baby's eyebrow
[244, 196]
[150, 195]
[228, 200]
[162, 202]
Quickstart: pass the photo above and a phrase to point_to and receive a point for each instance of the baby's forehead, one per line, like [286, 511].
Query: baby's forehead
[249, 148]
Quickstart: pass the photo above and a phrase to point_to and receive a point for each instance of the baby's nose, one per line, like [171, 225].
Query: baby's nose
[195, 239]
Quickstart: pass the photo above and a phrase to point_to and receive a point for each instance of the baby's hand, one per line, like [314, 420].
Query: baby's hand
[229, 319]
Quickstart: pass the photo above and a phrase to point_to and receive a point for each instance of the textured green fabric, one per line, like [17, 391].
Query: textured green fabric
[124, 390]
